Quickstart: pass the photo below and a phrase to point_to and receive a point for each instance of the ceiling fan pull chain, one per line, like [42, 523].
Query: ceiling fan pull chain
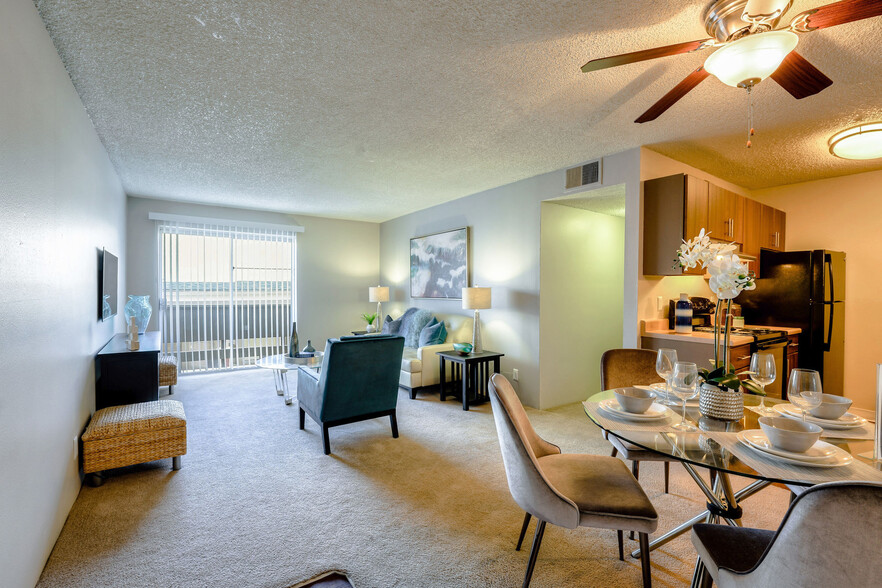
[750, 129]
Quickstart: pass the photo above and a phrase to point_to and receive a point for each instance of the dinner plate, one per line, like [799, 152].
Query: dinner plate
[655, 412]
[839, 458]
[820, 451]
[846, 421]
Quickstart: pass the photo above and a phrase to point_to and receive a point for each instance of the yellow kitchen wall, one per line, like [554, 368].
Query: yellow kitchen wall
[844, 214]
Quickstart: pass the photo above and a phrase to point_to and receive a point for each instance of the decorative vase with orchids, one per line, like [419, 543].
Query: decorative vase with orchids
[729, 276]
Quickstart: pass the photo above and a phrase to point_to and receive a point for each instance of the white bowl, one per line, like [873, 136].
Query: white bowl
[832, 407]
[790, 435]
[634, 400]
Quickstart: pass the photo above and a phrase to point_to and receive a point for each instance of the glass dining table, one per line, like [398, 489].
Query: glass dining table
[715, 447]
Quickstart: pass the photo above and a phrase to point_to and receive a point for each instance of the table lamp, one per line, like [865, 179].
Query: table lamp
[475, 299]
[379, 294]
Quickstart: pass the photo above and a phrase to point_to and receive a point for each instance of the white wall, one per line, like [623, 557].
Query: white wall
[336, 262]
[505, 224]
[60, 204]
[582, 299]
[844, 214]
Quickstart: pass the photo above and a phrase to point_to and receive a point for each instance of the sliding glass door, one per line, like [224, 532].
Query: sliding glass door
[226, 294]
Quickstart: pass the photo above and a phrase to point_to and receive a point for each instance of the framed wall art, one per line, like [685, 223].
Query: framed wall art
[439, 265]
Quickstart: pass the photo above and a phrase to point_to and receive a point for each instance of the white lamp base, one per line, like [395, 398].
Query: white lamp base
[477, 346]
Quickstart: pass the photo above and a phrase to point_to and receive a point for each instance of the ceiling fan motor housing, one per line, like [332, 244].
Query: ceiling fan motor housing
[723, 21]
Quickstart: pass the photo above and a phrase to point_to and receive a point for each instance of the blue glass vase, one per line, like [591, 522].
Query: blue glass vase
[138, 307]
[683, 315]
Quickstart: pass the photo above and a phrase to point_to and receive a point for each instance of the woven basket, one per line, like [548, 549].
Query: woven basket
[722, 404]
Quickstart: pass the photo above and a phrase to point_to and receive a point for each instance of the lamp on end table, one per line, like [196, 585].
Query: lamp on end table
[475, 299]
[379, 294]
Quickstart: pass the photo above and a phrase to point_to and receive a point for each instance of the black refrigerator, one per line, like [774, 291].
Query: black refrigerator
[804, 289]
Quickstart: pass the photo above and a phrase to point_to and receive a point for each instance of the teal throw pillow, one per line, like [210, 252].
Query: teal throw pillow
[435, 333]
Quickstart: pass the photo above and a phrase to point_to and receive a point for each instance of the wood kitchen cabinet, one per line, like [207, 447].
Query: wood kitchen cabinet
[753, 234]
[772, 228]
[675, 209]
[725, 216]
[792, 359]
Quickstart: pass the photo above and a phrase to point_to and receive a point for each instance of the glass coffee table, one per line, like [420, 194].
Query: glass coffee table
[280, 364]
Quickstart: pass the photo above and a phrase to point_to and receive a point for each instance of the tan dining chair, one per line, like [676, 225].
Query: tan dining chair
[620, 368]
[568, 490]
[830, 536]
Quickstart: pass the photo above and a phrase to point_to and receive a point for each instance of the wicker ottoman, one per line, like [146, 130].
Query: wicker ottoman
[119, 436]
[168, 372]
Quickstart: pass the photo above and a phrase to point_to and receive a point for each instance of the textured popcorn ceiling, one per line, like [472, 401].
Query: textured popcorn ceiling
[372, 109]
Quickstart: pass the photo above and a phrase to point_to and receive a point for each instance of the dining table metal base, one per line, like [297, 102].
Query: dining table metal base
[722, 504]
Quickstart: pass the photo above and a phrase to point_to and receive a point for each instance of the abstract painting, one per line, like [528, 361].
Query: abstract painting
[439, 264]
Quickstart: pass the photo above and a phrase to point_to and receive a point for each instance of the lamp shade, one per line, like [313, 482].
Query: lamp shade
[751, 59]
[860, 142]
[378, 294]
[475, 298]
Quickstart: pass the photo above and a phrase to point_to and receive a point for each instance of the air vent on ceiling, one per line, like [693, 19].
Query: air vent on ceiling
[584, 175]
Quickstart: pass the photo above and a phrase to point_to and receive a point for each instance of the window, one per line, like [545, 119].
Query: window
[226, 293]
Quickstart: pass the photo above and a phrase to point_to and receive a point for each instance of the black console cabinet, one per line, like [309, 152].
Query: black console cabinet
[127, 377]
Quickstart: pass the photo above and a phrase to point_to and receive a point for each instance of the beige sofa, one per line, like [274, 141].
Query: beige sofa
[419, 367]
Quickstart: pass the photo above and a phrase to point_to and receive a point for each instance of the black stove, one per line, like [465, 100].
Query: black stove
[759, 334]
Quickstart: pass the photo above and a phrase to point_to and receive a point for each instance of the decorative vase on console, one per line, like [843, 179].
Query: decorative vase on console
[293, 343]
[139, 308]
[721, 393]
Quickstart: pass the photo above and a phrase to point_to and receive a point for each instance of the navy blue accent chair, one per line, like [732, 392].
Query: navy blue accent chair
[358, 381]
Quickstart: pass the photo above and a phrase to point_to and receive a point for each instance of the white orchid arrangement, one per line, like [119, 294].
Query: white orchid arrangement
[729, 276]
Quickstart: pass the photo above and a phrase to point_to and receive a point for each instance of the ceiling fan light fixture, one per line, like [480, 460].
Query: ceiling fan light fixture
[860, 142]
[751, 59]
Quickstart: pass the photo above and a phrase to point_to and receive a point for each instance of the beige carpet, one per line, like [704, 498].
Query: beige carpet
[258, 504]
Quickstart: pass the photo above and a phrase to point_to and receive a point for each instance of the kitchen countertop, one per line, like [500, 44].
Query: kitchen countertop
[657, 329]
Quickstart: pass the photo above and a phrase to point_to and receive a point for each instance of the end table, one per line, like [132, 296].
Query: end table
[472, 371]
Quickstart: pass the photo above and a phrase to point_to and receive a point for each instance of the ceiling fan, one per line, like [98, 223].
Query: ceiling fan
[750, 49]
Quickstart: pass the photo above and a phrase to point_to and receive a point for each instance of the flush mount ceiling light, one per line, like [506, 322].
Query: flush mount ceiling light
[749, 60]
[860, 142]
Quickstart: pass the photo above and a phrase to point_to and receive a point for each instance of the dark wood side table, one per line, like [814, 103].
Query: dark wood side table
[127, 377]
[472, 371]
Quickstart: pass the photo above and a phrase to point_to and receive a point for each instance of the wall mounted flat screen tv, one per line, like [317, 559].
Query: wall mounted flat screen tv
[108, 277]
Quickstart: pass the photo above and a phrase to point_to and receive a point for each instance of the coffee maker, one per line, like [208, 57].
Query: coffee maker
[702, 312]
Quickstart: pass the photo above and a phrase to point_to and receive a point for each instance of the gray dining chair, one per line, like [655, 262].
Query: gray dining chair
[620, 368]
[568, 490]
[830, 536]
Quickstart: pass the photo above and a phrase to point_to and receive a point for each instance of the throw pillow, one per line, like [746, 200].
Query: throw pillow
[412, 325]
[391, 327]
[435, 333]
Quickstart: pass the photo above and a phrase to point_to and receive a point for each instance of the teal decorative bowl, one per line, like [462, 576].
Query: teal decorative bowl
[462, 348]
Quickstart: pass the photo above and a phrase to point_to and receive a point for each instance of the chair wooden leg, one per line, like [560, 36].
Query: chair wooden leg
[635, 469]
[537, 542]
[614, 453]
[644, 560]
[621, 545]
[412, 394]
[527, 517]
[326, 441]
[667, 475]
[302, 418]
[171, 389]
[394, 421]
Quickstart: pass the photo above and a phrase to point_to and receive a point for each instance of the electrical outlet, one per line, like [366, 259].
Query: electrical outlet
[514, 374]
[76, 448]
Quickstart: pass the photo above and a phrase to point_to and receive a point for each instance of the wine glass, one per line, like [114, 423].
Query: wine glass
[764, 372]
[684, 383]
[664, 366]
[804, 389]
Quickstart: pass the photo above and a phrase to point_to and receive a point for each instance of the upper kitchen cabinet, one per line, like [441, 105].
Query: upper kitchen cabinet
[725, 218]
[675, 209]
[772, 231]
[753, 232]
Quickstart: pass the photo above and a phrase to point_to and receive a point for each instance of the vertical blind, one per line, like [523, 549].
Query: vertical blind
[226, 293]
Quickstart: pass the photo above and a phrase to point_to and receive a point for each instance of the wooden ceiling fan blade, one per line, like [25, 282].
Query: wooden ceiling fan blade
[637, 56]
[799, 77]
[675, 94]
[837, 13]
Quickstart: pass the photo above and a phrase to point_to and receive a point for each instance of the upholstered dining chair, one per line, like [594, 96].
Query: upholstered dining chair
[568, 490]
[358, 381]
[620, 368]
[830, 536]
